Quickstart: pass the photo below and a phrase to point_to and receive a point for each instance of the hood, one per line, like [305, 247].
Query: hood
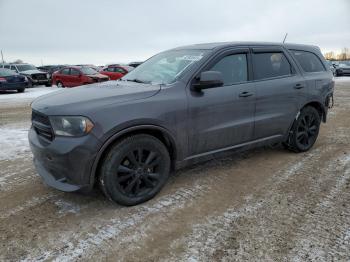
[81, 100]
[97, 76]
[31, 72]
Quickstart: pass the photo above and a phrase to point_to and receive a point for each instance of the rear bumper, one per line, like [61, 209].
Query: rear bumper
[13, 86]
[64, 163]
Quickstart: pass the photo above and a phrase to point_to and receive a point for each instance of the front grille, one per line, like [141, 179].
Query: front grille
[39, 76]
[42, 125]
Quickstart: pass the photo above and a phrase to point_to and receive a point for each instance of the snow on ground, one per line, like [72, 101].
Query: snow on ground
[342, 79]
[28, 95]
[13, 142]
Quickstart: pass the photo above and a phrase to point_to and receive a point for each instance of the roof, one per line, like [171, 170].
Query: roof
[220, 45]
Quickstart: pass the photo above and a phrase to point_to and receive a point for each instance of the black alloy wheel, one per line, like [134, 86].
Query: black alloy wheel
[135, 169]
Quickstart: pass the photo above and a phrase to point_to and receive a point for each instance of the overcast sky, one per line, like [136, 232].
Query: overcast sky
[106, 31]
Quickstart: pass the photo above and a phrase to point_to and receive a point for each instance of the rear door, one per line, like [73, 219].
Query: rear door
[280, 90]
[75, 77]
[222, 117]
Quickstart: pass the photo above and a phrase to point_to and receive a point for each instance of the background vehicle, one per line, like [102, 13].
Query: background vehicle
[77, 76]
[50, 69]
[10, 80]
[179, 106]
[35, 76]
[135, 64]
[116, 71]
[343, 68]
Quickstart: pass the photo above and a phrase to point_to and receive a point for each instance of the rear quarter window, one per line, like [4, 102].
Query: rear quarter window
[308, 61]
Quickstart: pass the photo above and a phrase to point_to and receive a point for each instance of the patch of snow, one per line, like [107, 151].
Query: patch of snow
[67, 207]
[29, 94]
[13, 142]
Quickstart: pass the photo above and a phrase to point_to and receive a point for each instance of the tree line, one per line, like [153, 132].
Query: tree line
[343, 55]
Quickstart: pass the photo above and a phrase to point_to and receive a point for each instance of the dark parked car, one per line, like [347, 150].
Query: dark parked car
[76, 76]
[343, 68]
[50, 69]
[179, 106]
[35, 76]
[135, 64]
[10, 80]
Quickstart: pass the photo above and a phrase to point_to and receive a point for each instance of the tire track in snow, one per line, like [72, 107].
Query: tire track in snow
[74, 245]
[330, 239]
[209, 237]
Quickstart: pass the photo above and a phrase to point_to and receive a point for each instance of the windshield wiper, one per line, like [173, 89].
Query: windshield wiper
[138, 81]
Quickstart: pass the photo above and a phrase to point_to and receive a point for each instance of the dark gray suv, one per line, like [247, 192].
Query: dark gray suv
[178, 107]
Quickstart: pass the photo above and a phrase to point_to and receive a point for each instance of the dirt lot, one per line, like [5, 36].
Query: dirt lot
[265, 204]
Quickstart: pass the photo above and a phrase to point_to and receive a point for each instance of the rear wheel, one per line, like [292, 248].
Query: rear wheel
[135, 170]
[59, 84]
[21, 90]
[305, 130]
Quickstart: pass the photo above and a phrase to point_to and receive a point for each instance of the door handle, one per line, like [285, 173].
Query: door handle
[299, 86]
[245, 94]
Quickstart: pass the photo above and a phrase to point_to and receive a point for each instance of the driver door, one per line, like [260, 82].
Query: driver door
[222, 117]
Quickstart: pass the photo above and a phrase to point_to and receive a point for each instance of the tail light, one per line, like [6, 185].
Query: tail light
[2, 79]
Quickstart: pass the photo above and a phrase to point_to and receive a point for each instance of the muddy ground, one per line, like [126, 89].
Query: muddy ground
[265, 204]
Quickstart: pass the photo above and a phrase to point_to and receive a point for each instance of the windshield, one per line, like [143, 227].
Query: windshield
[88, 71]
[7, 72]
[165, 67]
[25, 67]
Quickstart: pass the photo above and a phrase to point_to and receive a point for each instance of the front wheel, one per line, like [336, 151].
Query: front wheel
[21, 90]
[304, 130]
[135, 170]
[60, 84]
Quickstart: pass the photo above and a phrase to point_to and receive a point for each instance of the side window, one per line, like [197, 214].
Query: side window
[119, 70]
[110, 69]
[65, 71]
[74, 72]
[308, 61]
[7, 66]
[268, 65]
[13, 68]
[234, 68]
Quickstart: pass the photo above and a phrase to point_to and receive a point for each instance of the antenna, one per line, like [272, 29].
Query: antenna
[2, 59]
[285, 37]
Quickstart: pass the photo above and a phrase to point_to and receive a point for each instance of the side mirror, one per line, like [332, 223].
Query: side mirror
[209, 79]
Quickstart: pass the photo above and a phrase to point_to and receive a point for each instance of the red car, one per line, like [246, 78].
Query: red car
[76, 76]
[116, 71]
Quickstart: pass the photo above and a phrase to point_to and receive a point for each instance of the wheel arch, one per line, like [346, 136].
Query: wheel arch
[158, 132]
[319, 107]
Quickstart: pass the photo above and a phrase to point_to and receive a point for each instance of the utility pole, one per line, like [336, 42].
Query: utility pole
[2, 59]
[285, 37]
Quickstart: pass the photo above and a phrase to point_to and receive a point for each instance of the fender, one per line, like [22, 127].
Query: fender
[312, 103]
[120, 133]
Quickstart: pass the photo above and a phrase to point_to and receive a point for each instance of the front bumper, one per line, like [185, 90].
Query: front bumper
[65, 163]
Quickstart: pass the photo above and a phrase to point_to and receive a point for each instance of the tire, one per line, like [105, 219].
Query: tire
[304, 131]
[30, 83]
[135, 170]
[59, 84]
[48, 84]
[21, 90]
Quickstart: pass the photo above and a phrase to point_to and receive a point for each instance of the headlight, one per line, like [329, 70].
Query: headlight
[71, 125]
[25, 79]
